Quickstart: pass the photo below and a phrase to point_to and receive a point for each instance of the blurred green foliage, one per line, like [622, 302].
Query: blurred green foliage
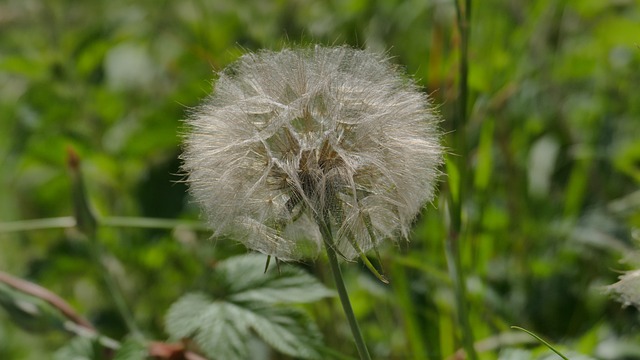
[553, 137]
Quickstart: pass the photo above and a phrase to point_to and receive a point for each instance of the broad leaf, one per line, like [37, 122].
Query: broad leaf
[81, 348]
[248, 282]
[248, 302]
[288, 330]
[217, 327]
[131, 349]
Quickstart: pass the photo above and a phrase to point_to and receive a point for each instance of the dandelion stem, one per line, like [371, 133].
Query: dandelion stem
[342, 290]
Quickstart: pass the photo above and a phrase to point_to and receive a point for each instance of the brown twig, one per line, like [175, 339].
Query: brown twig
[46, 295]
[161, 350]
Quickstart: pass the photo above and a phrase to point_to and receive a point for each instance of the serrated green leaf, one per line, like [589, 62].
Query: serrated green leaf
[131, 349]
[80, 348]
[247, 300]
[184, 315]
[248, 282]
[288, 330]
[224, 331]
[217, 327]
[223, 328]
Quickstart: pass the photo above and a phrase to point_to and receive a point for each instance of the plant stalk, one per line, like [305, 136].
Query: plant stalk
[87, 223]
[114, 290]
[342, 290]
[456, 229]
[452, 252]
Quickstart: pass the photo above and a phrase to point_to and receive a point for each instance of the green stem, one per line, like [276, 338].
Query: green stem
[108, 221]
[455, 233]
[542, 341]
[87, 224]
[114, 290]
[152, 223]
[38, 224]
[453, 260]
[342, 290]
[463, 18]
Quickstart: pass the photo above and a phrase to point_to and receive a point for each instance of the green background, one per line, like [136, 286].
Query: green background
[553, 137]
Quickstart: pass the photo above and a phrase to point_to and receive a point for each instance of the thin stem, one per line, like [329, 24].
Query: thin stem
[342, 290]
[452, 252]
[455, 233]
[114, 290]
[38, 224]
[152, 223]
[108, 221]
[87, 224]
[463, 15]
[541, 340]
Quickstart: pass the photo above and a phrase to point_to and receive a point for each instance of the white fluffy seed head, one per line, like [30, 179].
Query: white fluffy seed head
[292, 136]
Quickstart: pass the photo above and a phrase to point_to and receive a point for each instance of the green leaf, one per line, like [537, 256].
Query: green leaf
[248, 282]
[184, 315]
[131, 349]
[223, 328]
[288, 330]
[217, 327]
[81, 348]
[29, 312]
[485, 156]
[453, 176]
[247, 302]
[85, 218]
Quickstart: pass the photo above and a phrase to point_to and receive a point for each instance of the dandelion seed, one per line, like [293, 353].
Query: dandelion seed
[291, 137]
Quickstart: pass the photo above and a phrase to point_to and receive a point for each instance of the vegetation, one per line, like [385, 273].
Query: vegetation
[541, 186]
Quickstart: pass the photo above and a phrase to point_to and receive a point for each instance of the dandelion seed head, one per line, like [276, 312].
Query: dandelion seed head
[292, 135]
